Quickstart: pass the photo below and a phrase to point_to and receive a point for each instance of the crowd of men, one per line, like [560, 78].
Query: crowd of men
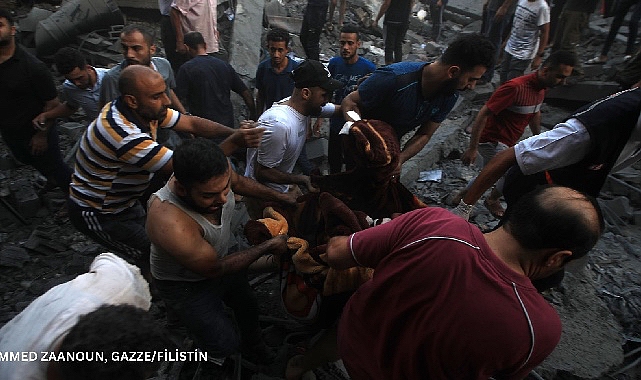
[153, 183]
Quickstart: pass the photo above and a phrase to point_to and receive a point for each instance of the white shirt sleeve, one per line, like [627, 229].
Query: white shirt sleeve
[566, 144]
[328, 110]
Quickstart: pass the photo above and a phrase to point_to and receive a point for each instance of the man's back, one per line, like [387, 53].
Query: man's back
[441, 305]
[205, 82]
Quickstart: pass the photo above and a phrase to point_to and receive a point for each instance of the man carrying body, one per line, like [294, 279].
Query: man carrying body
[118, 157]
[189, 225]
[449, 302]
[528, 39]
[81, 86]
[514, 105]
[137, 48]
[26, 90]
[205, 82]
[349, 68]
[286, 124]
[407, 95]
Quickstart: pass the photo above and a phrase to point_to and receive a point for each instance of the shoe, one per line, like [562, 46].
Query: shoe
[627, 58]
[596, 61]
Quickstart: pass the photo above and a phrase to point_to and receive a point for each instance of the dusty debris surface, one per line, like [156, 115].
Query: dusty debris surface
[599, 300]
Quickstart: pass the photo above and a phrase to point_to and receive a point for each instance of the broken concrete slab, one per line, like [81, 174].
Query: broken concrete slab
[582, 92]
[290, 24]
[14, 256]
[246, 38]
[620, 206]
[24, 198]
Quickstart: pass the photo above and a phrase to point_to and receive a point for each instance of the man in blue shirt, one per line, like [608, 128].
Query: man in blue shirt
[349, 68]
[407, 95]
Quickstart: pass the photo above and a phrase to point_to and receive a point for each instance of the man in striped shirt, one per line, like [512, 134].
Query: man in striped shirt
[119, 155]
[513, 106]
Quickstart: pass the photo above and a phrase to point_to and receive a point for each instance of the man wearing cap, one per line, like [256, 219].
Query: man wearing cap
[286, 124]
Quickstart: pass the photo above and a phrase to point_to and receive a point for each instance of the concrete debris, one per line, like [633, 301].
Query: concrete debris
[13, 256]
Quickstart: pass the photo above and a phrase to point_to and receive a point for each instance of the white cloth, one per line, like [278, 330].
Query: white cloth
[199, 16]
[528, 18]
[283, 140]
[42, 325]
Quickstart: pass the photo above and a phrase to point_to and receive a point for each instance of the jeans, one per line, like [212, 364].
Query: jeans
[200, 306]
[494, 33]
[512, 67]
[436, 14]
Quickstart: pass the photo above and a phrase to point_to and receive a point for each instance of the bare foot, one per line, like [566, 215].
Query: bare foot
[494, 207]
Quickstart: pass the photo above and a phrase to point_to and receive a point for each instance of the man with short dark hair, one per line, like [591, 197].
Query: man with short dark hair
[348, 68]
[286, 124]
[190, 228]
[26, 90]
[514, 105]
[138, 47]
[81, 86]
[119, 155]
[273, 75]
[449, 302]
[205, 82]
[407, 95]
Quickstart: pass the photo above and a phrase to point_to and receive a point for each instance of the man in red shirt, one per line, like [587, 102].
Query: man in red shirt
[514, 105]
[449, 302]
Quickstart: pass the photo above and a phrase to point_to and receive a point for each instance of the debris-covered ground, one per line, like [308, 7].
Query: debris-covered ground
[599, 300]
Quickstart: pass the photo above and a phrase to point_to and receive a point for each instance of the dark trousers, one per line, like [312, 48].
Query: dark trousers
[50, 164]
[122, 233]
[494, 32]
[620, 12]
[168, 35]
[200, 306]
[313, 21]
[393, 36]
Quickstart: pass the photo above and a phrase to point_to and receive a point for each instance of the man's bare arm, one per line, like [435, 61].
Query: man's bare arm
[491, 173]
[419, 140]
[265, 174]
[479, 124]
[339, 255]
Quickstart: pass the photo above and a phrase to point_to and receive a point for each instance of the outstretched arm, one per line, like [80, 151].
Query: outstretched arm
[479, 124]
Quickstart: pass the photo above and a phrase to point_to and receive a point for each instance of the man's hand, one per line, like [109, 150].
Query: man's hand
[248, 135]
[469, 157]
[536, 62]
[181, 47]
[304, 180]
[38, 143]
[39, 122]
[289, 198]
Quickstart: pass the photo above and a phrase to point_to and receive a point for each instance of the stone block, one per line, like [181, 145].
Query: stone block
[620, 206]
[433, 48]
[584, 92]
[26, 200]
[636, 218]
[13, 256]
[592, 70]
[290, 24]
[457, 18]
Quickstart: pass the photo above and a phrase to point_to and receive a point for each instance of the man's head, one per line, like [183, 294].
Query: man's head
[556, 68]
[195, 43]
[278, 45]
[203, 175]
[73, 65]
[144, 91]
[465, 60]
[314, 85]
[137, 44]
[7, 27]
[554, 225]
[349, 42]
[113, 329]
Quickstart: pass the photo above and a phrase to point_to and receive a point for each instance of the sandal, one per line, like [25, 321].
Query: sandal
[595, 61]
[495, 208]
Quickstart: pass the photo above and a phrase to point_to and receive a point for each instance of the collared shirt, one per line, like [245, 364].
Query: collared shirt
[117, 158]
[87, 98]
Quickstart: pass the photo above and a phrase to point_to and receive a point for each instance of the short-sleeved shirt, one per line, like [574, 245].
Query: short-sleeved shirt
[117, 158]
[86, 98]
[205, 82]
[512, 105]
[398, 12]
[441, 305]
[283, 140]
[349, 75]
[528, 18]
[26, 84]
[394, 95]
[109, 88]
[274, 86]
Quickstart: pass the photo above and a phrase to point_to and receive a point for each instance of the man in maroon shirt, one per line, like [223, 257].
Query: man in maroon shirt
[449, 302]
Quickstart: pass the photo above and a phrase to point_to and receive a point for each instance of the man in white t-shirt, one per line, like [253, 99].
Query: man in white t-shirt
[528, 39]
[287, 123]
